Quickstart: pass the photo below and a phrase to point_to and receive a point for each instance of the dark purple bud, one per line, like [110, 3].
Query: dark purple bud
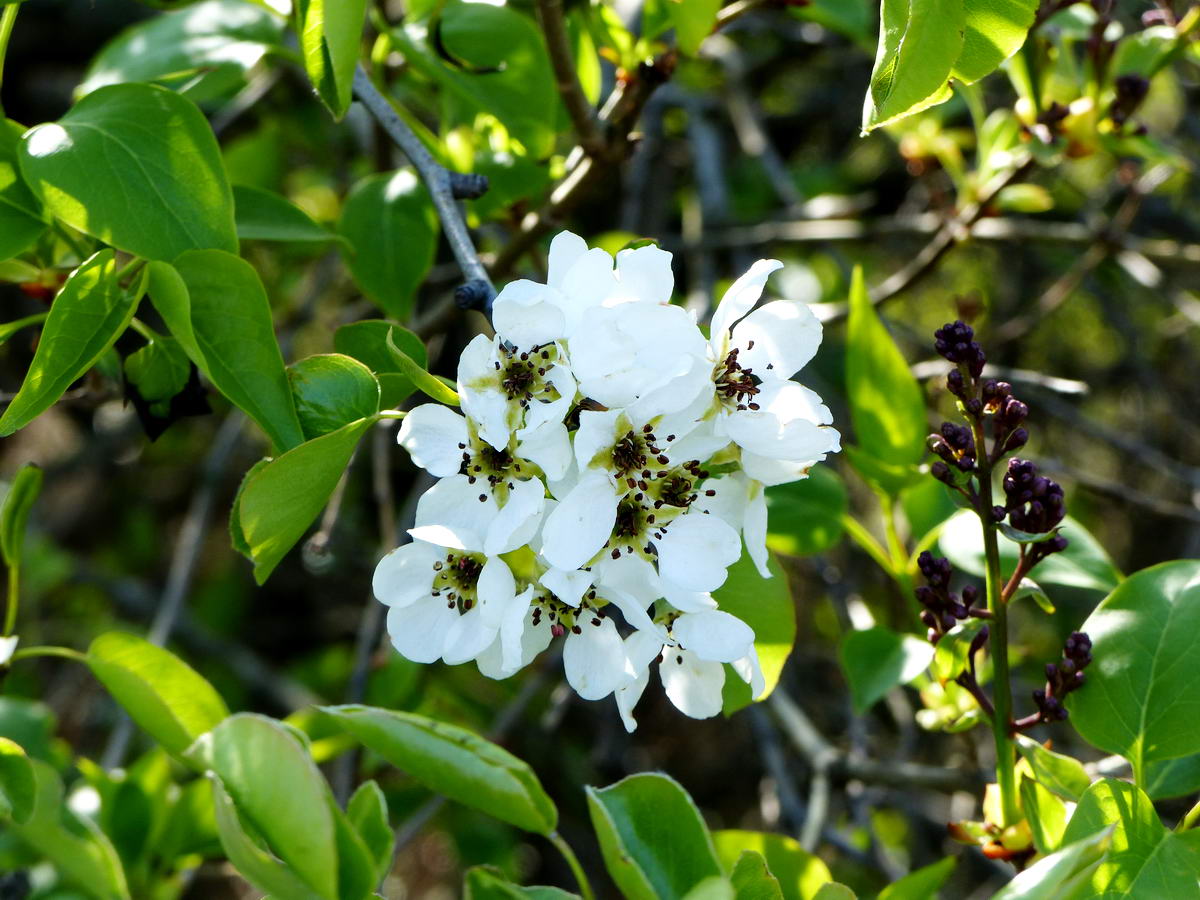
[1016, 440]
[970, 594]
[998, 513]
[954, 383]
[974, 406]
[1051, 672]
[926, 596]
[966, 463]
[928, 619]
[941, 472]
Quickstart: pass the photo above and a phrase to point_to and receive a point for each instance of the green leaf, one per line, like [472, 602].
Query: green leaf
[257, 865]
[135, 166]
[331, 41]
[277, 787]
[266, 216]
[18, 787]
[712, 888]
[800, 874]
[995, 30]
[752, 879]
[886, 404]
[454, 762]
[950, 654]
[216, 307]
[279, 500]
[766, 605]
[21, 218]
[391, 236]
[159, 370]
[805, 517]
[29, 723]
[214, 35]
[1141, 697]
[1055, 876]
[1084, 564]
[162, 693]
[852, 18]
[921, 884]
[652, 838]
[357, 867]
[332, 390]
[367, 813]
[366, 341]
[1063, 775]
[1145, 859]
[835, 891]
[430, 385]
[488, 883]
[878, 659]
[884, 477]
[18, 499]
[1169, 778]
[693, 21]
[919, 44]
[1046, 814]
[88, 315]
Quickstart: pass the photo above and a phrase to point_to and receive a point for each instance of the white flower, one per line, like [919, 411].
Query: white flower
[8, 646]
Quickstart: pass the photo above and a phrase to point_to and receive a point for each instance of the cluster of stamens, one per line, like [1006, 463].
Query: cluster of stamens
[522, 374]
[456, 578]
[564, 618]
[737, 384]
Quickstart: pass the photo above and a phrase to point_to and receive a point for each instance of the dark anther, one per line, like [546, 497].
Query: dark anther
[468, 185]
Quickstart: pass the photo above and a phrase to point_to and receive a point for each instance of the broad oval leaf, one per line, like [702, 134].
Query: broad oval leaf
[652, 837]
[1062, 775]
[21, 217]
[801, 875]
[367, 341]
[454, 762]
[18, 498]
[331, 41]
[919, 43]
[994, 31]
[135, 166]
[216, 307]
[877, 659]
[1141, 697]
[88, 315]
[766, 605]
[281, 497]
[391, 233]
[752, 878]
[886, 404]
[805, 517]
[18, 787]
[263, 215]
[162, 693]
[332, 390]
[277, 787]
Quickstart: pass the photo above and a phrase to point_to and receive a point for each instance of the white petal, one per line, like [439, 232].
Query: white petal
[512, 630]
[418, 631]
[435, 437]
[496, 590]
[528, 314]
[696, 550]
[548, 447]
[754, 528]
[518, 520]
[8, 646]
[405, 575]
[714, 635]
[477, 364]
[631, 584]
[493, 415]
[728, 503]
[580, 525]
[687, 601]
[533, 639]
[451, 514]
[677, 389]
[594, 659]
[588, 283]
[693, 684]
[740, 299]
[467, 637]
[645, 274]
[750, 672]
[595, 437]
[565, 251]
[775, 471]
[553, 411]
[785, 335]
[789, 424]
[567, 586]
[640, 649]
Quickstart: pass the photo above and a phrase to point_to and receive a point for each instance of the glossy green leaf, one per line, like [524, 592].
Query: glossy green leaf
[1141, 697]
[331, 41]
[800, 874]
[88, 315]
[1063, 775]
[367, 340]
[216, 307]
[21, 216]
[279, 500]
[886, 404]
[835, 891]
[367, 813]
[652, 837]
[162, 694]
[994, 31]
[1055, 876]
[135, 166]
[919, 44]
[766, 605]
[430, 385]
[391, 233]
[878, 659]
[805, 517]
[1145, 859]
[18, 787]
[275, 785]
[1046, 814]
[258, 866]
[159, 370]
[921, 884]
[693, 21]
[81, 852]
[488, 883]
[1084, 564]
[950, 655]
[332, 390]
[17, 501]
[357, 872]
[263, 215]
[752, 879]
[216, 34]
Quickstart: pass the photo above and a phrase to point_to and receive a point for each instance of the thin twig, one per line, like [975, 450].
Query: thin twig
[736, 10]
[566, 77]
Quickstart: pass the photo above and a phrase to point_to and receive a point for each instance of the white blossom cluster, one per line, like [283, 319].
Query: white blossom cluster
[608, 464]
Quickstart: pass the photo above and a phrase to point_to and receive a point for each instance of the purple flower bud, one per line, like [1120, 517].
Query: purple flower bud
[954, 383]
[998, 513]
[974, 406]
[1016, 440]
[941, 472]
[970, 594]
[928, 619]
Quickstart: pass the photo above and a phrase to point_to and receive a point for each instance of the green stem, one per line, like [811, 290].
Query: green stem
[896, 549]
[63, 652]
[1190, 819]
[130, 267]
[867, 541]
[14, 594]
[7, 19]
[585, 887]
[998, 637]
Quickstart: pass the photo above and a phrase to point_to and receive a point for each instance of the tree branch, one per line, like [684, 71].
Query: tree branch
[566, 78]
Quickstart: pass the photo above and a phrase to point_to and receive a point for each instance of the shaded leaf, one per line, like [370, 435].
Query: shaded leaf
[766, 605]
[805, 517]
[18, 498]
[878, 659]
[921, 884]
[801, 875]
[18, 786]
[263, 215]
[21, 216]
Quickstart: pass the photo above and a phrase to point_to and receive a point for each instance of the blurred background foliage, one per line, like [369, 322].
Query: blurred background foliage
[1082, 280]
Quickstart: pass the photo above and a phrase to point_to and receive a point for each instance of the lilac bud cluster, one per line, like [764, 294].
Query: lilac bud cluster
[956, 447]
[943, 609]
[1008, 413]
[956, 342]
[1034, 503]
[1063, 677]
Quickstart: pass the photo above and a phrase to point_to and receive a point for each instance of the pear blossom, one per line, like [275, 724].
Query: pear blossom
[8, 646]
